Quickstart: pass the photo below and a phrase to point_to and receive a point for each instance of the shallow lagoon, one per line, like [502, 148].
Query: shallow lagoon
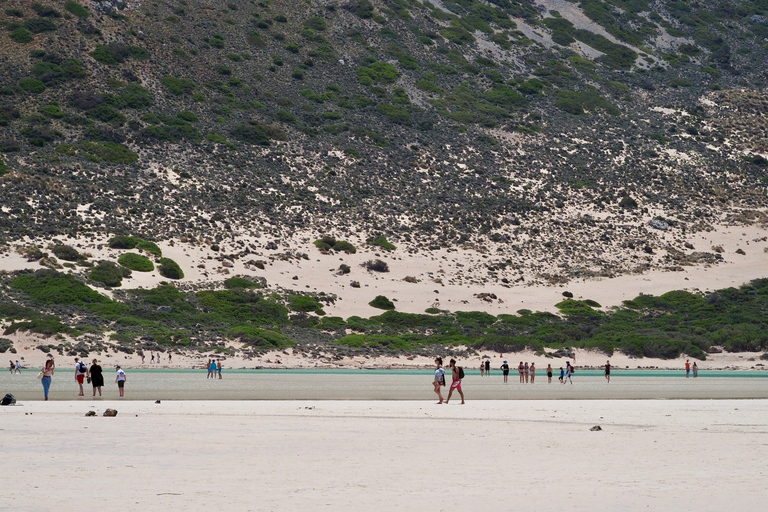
[149, 384]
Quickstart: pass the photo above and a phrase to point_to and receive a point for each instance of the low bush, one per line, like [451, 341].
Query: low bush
[178, 86]
[66, 252]
[21, 35]
[76, 9]
[382, 242]
[305, 304]
[109, 273]
[376, 265]
[170, 269]
[109, 153]
[381, 302]
[32, 85]
[136, 262]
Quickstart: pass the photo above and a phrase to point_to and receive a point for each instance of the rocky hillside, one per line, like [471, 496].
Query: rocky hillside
[484, 123]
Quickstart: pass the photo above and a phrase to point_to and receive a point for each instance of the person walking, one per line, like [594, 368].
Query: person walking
[687, 369]
[152, 359]
[169, 358]
[80, 370]
[505, 371]
[96, 376]
[439, 378]
[120, 379]
[568, 372]
[549, 374]
[142, 358]
[695, 369]
[46, 375]
[457, 375]
[562, 375]
[488, 367]
[18, 366]
[520, 370]
[218, 367]
[533, 372]
[608, 371]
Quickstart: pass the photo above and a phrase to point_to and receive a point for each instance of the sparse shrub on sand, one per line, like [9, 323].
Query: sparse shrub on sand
[381, 302]
[66, 252]
[326, 243]
[376, 265]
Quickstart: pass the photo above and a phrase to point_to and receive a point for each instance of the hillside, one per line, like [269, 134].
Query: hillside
[554, 140]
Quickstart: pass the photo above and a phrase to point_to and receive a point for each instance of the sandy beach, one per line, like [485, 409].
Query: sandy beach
[491, 455]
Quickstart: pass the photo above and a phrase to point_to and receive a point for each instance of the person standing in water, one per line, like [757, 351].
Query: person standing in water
[520, 370]
[526, 369]
[505, 371]
[96, 376]
[80, 370]
[687, 369]
[533, 372]
[568, 372]
[695, 370]
[488, 367]
[482, 368]
[210, 366]
[549, 374]
[455, 382]
[218, 367]
[439, 378]
[608, 371]
[47, 372]
[120, 379]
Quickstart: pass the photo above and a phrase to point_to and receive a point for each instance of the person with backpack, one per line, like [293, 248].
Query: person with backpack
[568, 372]
[80, 370]
[439, 378]
[457, 375]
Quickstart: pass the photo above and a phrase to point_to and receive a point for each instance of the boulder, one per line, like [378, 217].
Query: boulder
[596, 428]
[658, 224]
[110, 413]
[91, 413]
[165, 309]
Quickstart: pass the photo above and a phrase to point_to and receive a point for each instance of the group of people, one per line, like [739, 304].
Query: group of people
[152, 358]
[457, 373]
[92, 375]
[214, 368]
[688, 369]
[15, 367]
[527, 372]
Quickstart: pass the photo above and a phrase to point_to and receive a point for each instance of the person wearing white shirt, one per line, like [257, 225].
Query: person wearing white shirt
[120, 378]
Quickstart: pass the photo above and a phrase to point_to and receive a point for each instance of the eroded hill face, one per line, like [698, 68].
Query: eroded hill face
[545, 134]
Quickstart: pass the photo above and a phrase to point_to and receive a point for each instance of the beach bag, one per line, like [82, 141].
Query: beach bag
[461, 372]
[40, 376]
[8, 399]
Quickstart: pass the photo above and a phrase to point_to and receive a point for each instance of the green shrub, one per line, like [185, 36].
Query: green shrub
[382, 242]
[240, 283]
[170, 269]
[316, 23]
[575, 102]
[344, 246]
[76, 9]
[136, 262]
[134, 96]
[122, 242]
[395, 113]
[457, 34]
[377, 72]
[109, 273]
[381, 302]
[252, 134]
[178, 86]
[39, 25]
[260, 338]
[188, 116]
[32, 85]
[21, 35]
[109, 153]
[51, 287]
[305, 304]
[3, 168]
[345, 269]
[505, 96]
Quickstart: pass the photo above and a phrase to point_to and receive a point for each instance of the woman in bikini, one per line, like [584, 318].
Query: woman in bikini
[520, 370]
[533, 372]
[525, 371]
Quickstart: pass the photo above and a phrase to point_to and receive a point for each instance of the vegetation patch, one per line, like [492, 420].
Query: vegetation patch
[327, 243]
[136, 262]
[381, 302]
[109, 273]
[381, 241]
[170, 269]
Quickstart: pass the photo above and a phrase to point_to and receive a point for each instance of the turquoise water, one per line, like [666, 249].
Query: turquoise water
[351, 384]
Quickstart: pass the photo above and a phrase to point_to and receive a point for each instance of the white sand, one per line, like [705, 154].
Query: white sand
[359, 456]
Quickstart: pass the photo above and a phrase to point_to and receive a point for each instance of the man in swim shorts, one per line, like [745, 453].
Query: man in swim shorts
[456, 384]
[687, 368]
